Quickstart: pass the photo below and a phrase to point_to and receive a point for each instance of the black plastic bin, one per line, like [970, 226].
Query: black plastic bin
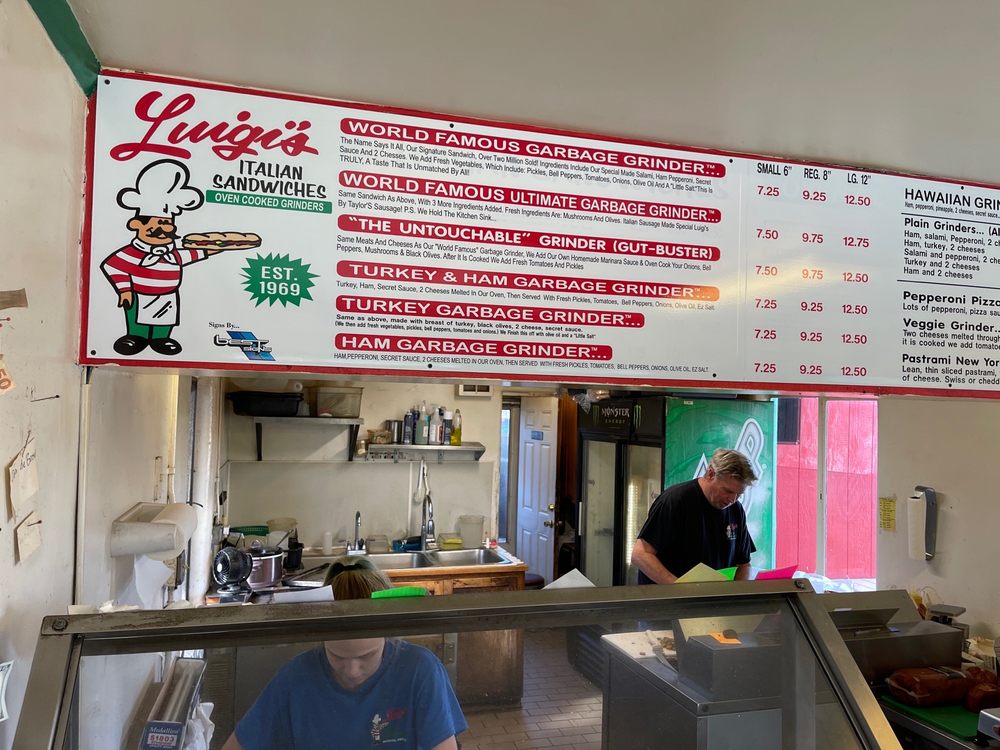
[264, 404]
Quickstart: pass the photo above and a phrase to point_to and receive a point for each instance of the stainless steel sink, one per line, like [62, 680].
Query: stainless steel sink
[400, 560]
[456, 557]
[316, 566]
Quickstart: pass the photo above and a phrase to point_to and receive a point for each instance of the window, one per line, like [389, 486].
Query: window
[509, 420]
[826, 504]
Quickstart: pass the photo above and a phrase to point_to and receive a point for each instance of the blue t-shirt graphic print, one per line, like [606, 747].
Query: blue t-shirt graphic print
[407, 703]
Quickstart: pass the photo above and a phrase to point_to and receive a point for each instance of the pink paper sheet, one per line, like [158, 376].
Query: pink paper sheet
[777, 574]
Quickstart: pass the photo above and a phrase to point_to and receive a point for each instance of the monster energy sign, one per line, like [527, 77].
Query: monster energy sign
[612, 415]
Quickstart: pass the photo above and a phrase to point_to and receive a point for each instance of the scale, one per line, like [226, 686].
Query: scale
[946, 614]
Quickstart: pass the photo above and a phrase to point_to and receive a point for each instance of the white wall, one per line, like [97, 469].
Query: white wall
[852, 81]
[950, 445]
[41, 160]
[132, 418]
[325, 495]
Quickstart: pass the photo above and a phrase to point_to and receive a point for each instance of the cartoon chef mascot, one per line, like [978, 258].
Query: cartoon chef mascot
[146, 273]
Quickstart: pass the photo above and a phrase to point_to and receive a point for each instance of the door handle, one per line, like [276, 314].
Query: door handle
[550, 524]
[552, 506]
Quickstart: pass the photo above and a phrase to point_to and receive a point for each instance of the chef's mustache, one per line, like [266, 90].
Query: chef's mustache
[161, 232]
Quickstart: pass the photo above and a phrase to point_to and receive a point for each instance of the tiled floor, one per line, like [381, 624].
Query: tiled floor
[560, 708]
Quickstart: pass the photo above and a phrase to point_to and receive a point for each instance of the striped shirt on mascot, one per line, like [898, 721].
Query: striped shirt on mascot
[146, 273]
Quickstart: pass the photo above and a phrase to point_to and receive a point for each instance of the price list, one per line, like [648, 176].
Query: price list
[390, 241]
[814, 251]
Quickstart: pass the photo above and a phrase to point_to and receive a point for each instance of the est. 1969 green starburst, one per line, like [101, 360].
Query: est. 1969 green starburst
[277, 278]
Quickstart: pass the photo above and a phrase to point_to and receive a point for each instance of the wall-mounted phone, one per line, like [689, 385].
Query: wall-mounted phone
[922, 523]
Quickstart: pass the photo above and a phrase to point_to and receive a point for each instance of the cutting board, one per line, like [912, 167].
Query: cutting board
[954, 720]
[643, 644]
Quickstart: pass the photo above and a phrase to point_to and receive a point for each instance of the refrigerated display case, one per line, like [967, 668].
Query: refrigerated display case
[792, 683]
[621, 473]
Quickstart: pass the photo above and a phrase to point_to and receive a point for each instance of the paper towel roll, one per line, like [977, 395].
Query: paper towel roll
[183, 518]
[916, 525]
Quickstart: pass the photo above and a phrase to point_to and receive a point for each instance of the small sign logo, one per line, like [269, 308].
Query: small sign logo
[254, 348]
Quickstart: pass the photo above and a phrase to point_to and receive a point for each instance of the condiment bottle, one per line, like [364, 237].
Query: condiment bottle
[456, 428]
[422, 427]
[434, 434]
[408, 428]
[446, 429]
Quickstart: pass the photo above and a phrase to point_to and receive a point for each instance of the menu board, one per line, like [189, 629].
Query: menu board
[235, 229]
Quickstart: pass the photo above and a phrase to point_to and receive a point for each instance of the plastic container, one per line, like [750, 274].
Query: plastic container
[376, 543]
[379, 437]
[395, 427]
[422, 428]
[470, 528]
[285, 523]
[435, 427]
[251, 530]
[327, 542]
[338, 402]
[264, 404]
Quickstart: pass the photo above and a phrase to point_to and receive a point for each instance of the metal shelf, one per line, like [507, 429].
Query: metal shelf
[353, 426]
[443, 453]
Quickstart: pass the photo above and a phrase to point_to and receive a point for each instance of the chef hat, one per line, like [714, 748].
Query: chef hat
[161, 189]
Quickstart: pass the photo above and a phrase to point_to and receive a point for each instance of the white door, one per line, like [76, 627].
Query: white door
[536, 484]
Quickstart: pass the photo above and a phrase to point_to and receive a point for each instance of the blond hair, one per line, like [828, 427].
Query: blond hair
[728, 463]
[355, 578]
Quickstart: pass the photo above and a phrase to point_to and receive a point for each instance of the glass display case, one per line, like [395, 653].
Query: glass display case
[714, 665]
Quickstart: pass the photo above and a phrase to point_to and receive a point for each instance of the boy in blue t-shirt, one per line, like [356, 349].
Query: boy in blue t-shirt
[360, 693]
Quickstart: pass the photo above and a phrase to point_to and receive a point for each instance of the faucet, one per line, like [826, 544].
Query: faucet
[427, 537]
[358, 541]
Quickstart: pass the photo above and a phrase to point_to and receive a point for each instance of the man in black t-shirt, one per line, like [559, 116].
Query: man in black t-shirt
[699, 521]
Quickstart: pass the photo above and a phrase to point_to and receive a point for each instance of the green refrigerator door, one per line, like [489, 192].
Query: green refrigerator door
[696, 427]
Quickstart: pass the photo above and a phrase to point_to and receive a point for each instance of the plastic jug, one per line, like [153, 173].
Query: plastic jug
[470, 528]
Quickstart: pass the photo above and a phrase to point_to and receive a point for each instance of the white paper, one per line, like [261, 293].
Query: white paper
[916, 525]
[316, 594]
[200, 728]
[145, 588]
[29, 536]
[5, 670]
[23, 474]
[81, 609]
[572, 580]
[184, 518]
[701, 573]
